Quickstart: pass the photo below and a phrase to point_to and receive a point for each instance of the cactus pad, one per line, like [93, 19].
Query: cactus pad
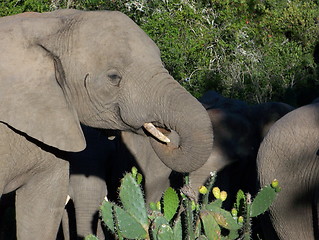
[262, 201]
[211, 227]
[91, 237]
[177, 229]
[129, 227]
[132, 199]
[106, 212]
[170, 202]
[223, 218]
[165, 232]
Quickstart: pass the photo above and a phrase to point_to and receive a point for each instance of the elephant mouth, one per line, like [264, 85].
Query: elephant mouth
[163, 135]
[157, 133]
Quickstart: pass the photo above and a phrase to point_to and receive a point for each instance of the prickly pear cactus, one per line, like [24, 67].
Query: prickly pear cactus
[165, 232]
[223, 218]
[106, 212]
[132, 200]
[170, 203]
[262, 201]
[203, 219]
[211, 228]
[128, 226]
[91, 237]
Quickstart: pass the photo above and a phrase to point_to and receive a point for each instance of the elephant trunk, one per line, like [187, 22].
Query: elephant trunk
[183, 114]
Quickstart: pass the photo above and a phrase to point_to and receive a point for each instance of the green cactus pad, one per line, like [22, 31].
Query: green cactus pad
[165, 232]
[129, 227]
[233, 234]
[240, 199]
[106, 212]
[170, 202]
[198, 228]
[216, 203]
[91, 237]
[157, 222]
[262, 201]
[132, 199]
[211, 227]
[178, 230]
[223, 217]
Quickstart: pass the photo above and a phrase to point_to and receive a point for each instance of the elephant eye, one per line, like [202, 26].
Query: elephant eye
[114, 77]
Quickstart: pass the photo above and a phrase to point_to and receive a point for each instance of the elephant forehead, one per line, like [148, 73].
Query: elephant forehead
[114, 29]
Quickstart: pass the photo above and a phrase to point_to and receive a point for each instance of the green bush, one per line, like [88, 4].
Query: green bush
[256, 51]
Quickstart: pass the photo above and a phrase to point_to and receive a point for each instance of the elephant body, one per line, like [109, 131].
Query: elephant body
[41, 183]
[289, 153]
[63, 68]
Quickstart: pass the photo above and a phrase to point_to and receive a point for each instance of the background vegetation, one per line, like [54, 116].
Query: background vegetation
[253, 50]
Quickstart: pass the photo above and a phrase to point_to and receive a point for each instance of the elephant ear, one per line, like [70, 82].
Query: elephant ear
[32, 98]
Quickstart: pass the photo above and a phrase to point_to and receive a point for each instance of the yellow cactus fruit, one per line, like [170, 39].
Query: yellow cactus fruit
[134, 171]
[158, 206]
[234, 212]
[139, 178]
[216, 192]
[223, 195]
[203, 190]
[274, 183]
[240, 219]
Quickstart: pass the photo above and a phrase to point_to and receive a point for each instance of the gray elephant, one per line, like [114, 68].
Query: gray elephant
[289, 153]
[100, 69]
[238, 131]
[89, 171]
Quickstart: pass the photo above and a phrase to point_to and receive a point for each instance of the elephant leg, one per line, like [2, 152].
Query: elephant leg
[99, 232]
[316, 213]
[66, 225]
[40, 202]
[87, 194]
[156, 179]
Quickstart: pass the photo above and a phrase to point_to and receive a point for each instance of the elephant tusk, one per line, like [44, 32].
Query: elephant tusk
[155, 132]
[67, 200]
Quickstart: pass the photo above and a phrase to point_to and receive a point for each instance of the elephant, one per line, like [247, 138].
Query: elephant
[59, 69]
[233, 154]
[89, 170]
[289, 153]
[238, 131]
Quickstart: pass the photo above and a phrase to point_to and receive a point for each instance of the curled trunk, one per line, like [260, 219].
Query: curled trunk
[184, 114]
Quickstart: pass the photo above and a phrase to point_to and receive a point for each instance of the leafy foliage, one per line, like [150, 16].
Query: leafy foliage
[251, 50]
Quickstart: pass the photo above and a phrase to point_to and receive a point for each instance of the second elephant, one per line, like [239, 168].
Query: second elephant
[290, 153]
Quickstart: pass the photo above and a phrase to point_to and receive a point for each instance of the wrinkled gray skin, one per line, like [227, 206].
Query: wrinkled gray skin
[238, 131]
[98, 68]
[289, 153]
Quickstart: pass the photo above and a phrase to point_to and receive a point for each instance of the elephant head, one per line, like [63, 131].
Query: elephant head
[98, 68]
